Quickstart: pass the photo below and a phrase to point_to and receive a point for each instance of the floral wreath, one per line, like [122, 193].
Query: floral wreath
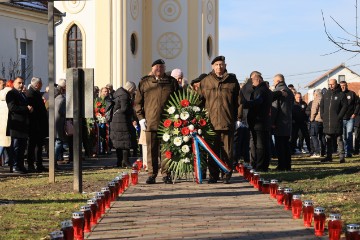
[182, 118]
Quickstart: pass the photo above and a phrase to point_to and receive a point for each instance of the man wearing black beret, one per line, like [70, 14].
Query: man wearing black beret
[220, 92]
[153, 92]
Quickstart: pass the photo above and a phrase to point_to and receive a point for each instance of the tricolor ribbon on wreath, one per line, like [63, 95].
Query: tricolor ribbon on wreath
[197, 140]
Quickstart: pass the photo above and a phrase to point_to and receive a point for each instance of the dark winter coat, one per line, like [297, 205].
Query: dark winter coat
[39, 124]
[259, 114]
[246, 92]
[151, 98]
[352, 103]
[222, 101]
[333, 106]
[299, 112]
[281, 112]
[18, 118]
[122, 132]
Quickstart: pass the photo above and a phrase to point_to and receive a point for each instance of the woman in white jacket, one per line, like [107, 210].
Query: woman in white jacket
[5, 141]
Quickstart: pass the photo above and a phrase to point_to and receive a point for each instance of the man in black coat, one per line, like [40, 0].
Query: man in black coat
[259, 120]
[38, 126]
[18, 124]
[348, 120]
[333, 107]
[281, 116]
[300, 122]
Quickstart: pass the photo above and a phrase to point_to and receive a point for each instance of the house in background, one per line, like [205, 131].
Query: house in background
[24, 40]
[340, 73]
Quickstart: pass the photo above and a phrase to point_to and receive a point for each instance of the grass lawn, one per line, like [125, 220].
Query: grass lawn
[35, 207]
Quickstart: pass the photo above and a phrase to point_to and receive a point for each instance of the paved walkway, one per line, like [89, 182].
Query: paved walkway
[187, 210]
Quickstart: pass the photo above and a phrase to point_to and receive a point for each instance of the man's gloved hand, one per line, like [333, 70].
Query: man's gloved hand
[142, 123]
[237, 125]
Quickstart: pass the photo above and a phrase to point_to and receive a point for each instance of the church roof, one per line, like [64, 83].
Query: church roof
[40, 6]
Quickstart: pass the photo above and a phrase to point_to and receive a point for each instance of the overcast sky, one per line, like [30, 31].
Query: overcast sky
[282, 36]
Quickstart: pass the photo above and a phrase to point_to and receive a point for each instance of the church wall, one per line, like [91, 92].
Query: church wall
[80, 14]
[133, 62]
[170, 33]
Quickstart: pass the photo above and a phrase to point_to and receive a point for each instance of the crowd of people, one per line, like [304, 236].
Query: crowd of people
[253, 121]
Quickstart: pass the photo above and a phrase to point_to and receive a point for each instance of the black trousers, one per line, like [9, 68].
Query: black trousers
[305, 132]
[260, 149]
[34, 151]
[283, 150]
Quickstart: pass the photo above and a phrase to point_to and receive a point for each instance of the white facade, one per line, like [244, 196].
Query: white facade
[26, 30]
[174, 30]
[339, 73]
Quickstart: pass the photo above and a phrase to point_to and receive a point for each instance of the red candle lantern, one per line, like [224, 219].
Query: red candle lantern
[308, 212]
[352, 232]
[139, 163]
[251, 176]
[106, 192]
[134, 177]
[265, 187]
[67, 229]
[256, 180]
[93, 209]
[126, 182]
[280, 195]
[117, 186]
[87, 217]
[78, 225]
[241, 169]
[273, 187]
[101, 203]
[296, 206]
[57, 235]
[319, 221]
[334, 226]
[121, 187]
[260, 183]
[287, 198]
[112, 189]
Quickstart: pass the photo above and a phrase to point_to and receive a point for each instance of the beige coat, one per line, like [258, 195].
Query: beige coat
[315, 109]
[5, 141]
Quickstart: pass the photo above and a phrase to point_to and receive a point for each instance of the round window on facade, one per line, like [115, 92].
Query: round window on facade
[133, 44]
[209, 47]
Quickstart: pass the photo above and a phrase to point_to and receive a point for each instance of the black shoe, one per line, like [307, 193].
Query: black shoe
[342, 160]
[212, 180]
[20, 170]
[150, 180]
[167, 180]
[41, 168]
[348, 155]
[31, 168]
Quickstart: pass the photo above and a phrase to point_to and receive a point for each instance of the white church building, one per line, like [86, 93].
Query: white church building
[121, 38]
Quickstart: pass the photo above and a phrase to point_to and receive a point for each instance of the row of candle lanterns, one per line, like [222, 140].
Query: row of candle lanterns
[293, 202]
[85, 219]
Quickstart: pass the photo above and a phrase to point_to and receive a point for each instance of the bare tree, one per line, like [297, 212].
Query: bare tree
[349, 43]
[12, 69]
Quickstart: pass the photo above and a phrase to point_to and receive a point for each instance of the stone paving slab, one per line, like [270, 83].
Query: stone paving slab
[186, 210]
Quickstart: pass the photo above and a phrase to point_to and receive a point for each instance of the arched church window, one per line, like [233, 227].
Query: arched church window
[133, 44]
[74, 47]
[209, 47]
